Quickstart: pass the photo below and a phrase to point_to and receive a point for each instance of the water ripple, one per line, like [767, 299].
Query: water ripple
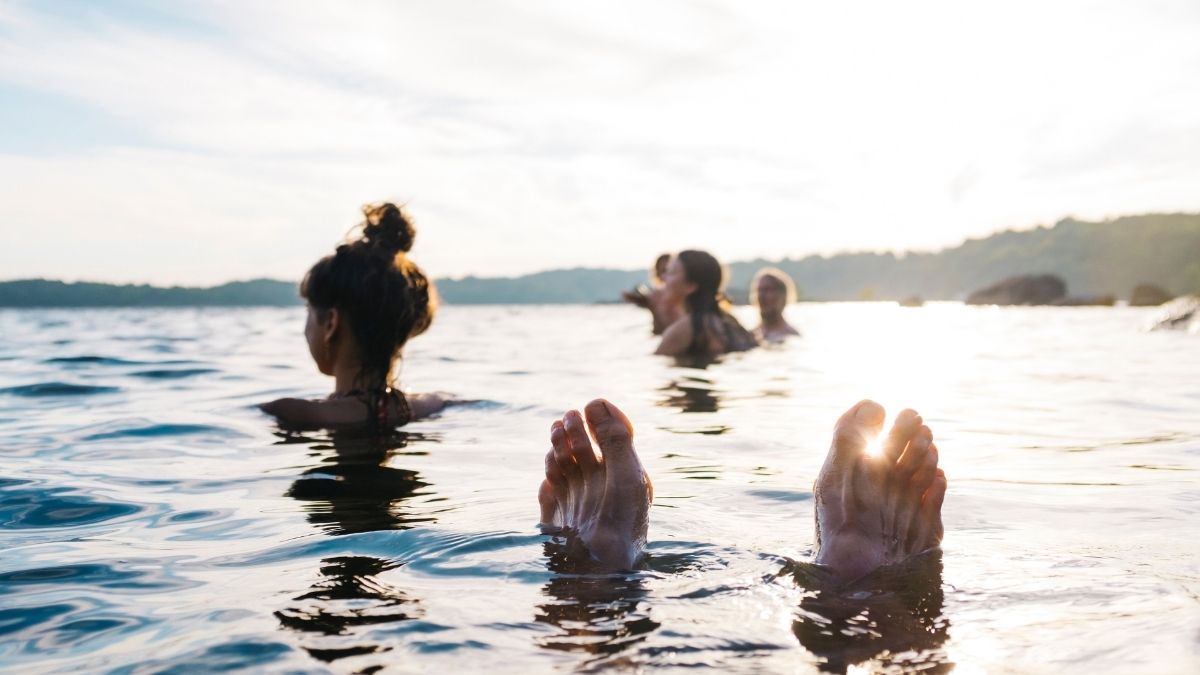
[93, 360]
[161, 526]
[164, 431]
[244, 655]
[173, 374]
[54, 508]
[58, 389]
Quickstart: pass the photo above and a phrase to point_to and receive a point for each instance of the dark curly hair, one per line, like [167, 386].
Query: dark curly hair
[383, 296]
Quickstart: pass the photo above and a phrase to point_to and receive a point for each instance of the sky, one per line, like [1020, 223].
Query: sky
[201, 142]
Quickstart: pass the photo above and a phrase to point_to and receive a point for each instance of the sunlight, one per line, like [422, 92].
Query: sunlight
[936, 175]
[875, 447]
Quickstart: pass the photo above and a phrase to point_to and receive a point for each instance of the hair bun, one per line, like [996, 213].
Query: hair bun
[388, 228]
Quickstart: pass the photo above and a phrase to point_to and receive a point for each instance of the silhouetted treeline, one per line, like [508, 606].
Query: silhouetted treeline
[46, 293]
[1093, 258]
[1105, 258]
[578, 285]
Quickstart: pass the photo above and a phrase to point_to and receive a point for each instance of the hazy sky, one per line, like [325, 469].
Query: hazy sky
[198, 142]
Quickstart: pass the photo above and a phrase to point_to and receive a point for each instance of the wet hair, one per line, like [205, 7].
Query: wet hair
[660, 263]
[709, 299]
[782, 281]
[702, 269]
[382, 295]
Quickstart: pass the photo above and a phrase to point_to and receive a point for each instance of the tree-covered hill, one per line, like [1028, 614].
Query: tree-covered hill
[47, 293]
[1102, 258]
[579, 285]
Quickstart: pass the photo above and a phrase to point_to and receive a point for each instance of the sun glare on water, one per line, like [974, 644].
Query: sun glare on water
[898, 357]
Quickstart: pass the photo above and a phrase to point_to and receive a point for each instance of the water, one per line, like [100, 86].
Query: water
[154, 521]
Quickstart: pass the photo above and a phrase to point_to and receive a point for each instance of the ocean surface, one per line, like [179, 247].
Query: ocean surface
[152, 520]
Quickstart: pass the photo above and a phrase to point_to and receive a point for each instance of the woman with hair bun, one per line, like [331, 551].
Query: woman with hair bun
[771, 291]
[707, 329]
[364, 303]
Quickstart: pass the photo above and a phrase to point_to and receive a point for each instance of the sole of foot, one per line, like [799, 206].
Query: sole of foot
[876, 510]
[598, 494]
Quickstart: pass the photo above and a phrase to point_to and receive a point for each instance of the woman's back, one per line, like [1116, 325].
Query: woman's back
[705, 335]
[721, 333]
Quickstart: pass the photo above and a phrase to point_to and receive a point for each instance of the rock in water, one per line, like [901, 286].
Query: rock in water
[1148, 295]
[1181, 313]
[1029, 289]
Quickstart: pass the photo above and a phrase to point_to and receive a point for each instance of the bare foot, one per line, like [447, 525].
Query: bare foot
[877, 510]
[602, 499]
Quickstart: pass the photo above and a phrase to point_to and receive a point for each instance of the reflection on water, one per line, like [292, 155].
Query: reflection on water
[891, 620]
[348, 595]
[596, 614]
[153, 522]
[352, 491]
[690, 394]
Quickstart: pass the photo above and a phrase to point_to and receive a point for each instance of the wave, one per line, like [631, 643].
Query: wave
[162, 430]
[37, 508]
[119, 576]
[166, 374]
[58, 389]
[92, 359]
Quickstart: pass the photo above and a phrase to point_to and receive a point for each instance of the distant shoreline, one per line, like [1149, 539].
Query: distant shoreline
[1095, 259]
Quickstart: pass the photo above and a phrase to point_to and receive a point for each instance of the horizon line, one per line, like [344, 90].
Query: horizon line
[790, 257]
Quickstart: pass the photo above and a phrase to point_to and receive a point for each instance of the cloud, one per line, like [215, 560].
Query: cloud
[536, 135]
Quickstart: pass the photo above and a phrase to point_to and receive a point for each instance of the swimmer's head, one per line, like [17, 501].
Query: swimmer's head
[371, 289]
[772, 290]
[659, 271]
[698, 279]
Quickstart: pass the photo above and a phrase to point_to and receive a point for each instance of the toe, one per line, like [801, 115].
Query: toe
[612, 430]
[924, 475]
[936, 494]
[554, 473]
[581, 446]
[561, 442]
[854, 431]
[916, 454]
[906, 424]
[548, 501]
[931, 507]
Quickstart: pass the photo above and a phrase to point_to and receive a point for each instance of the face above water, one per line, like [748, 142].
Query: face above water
[660, 270]
[318, 347]
[676, 286]
[771, 297]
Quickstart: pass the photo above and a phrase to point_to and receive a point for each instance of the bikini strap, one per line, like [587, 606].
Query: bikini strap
[381, 409]
[377, 402]
[403, 410]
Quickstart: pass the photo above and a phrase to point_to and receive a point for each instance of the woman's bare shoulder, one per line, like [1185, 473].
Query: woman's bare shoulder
[302, 413]
[676, 337]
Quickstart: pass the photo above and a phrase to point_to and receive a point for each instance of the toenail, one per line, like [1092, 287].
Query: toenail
[869, 413]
